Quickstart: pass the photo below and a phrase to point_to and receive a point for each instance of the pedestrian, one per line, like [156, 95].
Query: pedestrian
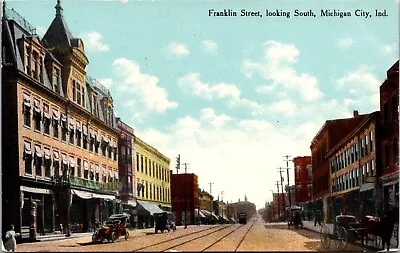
[11, 243]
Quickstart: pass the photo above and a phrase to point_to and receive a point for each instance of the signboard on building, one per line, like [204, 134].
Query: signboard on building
[112, 186]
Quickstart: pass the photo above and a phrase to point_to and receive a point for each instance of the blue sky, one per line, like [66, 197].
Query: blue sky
[232, 95]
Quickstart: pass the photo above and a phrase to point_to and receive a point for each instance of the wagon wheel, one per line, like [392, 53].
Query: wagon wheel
[126, 235]
[342, 238]
[325, 236]
[114, 236]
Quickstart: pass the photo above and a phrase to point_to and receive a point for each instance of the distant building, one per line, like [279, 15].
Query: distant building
[302, 179]
[152, 182]
[126, 164]
[389, 144]
[184, 196]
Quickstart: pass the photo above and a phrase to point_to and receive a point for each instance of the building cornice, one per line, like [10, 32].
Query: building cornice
[151, 150]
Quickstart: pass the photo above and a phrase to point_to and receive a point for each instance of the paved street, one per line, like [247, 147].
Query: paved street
[250, 237]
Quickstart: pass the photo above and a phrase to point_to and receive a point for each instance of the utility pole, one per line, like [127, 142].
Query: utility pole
[185, 164]
[210, 187]
[280, 170]
[273, 211]
[279, 209]
[212, 203]
[287, 170]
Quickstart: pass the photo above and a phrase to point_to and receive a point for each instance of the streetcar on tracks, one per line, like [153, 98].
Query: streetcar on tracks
[242, 218]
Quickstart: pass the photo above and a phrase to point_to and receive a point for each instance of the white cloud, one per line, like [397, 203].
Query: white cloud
[345, 43]
[277, 66]
[93, 42]
[256, 145]
[177, 49]
[360, 79]
[209, 46]
[107, 82]
[389, 48]
[148, 95]
[192, 82]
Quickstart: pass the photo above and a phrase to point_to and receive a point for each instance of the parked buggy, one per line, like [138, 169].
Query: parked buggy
[114, 227]
[295, 217]
[164, 221]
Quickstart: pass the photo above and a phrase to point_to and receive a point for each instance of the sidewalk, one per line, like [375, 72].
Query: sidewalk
[310, 226]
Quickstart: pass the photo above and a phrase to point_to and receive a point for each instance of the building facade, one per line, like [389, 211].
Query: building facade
[302, 179]
[328, 136]
[353, 166]
[152, 181]
[60, 130]
[389, 144]
[184, 197]
[126, 164]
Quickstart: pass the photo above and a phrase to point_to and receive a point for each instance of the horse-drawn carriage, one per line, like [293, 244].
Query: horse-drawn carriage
[368, 231]
[295, 217]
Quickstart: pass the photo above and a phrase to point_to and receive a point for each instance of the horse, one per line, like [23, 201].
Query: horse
[382, 227]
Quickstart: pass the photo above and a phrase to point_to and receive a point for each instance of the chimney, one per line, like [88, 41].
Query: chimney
[355, 113]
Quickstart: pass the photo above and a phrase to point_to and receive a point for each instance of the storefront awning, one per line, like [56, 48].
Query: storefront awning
[91, 195]
[205, 212]
[35, 190]
[148, 207]
[196, 213]
[215, 216]
[366, 187]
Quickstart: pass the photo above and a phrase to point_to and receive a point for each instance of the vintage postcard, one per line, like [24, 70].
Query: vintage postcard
[132, 125]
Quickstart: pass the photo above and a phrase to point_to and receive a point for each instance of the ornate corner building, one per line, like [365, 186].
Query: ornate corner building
[60, 153]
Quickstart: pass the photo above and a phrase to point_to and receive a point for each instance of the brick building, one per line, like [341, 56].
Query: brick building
[353, 167]
[389, 144]
[59, 133]
[126, 164]
[302, 179]
[185, 196]
[327, 137]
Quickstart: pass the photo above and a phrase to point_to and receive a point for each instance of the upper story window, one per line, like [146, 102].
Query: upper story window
[38, 160]
[71, 131]
[85, 136]
[47, 162]
[35, 65]
[78, 93]
[56, 163]
[94, 104]
[27, 156]
[56, 80]
[28, 60]
[55, 123]
[64, 127]
[46, 119]
[78, 134]
[37, 114]
[26, 109]
[40, 69]
[83, 96]
[395, 107]
[73, 91]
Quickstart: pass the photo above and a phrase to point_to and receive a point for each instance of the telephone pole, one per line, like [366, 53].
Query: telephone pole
[212, 203]
[210, 187]
[279, 209]
[287, 170]
[186, 164]
[280, 170]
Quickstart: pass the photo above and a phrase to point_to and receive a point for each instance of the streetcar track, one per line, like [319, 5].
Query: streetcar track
[179, 237]
[223, 237]
[202, 236]
[240, 243]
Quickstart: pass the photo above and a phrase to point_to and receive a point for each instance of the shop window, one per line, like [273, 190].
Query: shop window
[37, 115]
[56, 164]
[47, 163]
[38, 160]
[27, 156]
[55, 124]
[46, 119]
